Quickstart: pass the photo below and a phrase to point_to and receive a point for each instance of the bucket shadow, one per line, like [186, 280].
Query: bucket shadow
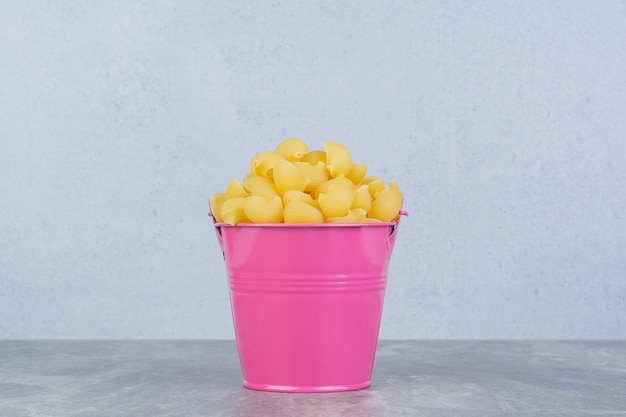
[251, 403]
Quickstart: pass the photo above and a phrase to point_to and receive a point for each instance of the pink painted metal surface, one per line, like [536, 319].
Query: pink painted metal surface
[307, 302]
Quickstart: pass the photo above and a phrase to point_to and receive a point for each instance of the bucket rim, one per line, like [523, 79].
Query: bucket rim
[306, 225]
[310, 225]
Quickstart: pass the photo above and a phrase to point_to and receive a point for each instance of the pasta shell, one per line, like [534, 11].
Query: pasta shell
[300, 212]
[337, 201]
[376, 186]
[317, 173]
[288, 177]
[338, 159]
[314, 157]
[263, 163]
[387, 204]
[292, 149]
[394, 185]
[357, 173]
[267, 191]
[357, 215]
[369, 179]
[232, 211]
[260, 186]
[235, 189]
[216, 202]
[324, 186]
[250, 180]
[362, 198]
[262, 210]
[293, 195]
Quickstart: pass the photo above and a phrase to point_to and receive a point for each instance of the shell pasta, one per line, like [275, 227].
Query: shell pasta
[294, 185]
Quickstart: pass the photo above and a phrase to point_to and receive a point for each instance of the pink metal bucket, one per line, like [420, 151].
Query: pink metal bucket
[307, 302]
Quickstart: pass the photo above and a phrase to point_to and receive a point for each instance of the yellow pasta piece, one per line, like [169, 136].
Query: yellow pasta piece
[394, 184]
[216, 202]
[262, 210]
[259, 186]
[235, 189]
[357, 173]
[362, 198]
[338, 159]
[300, 212]
[387, 204]
[376, 186]
[250, 180]
[293, 195]
[337, 201]
[263, 163]
[317, 173]
[324, 186]
[314, 157]
[369, 179]
[267, 191]
[232, 211]
[357, 215]
[292, 149]
[288, 177]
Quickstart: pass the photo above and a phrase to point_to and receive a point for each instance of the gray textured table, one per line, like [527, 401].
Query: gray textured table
[421, 378]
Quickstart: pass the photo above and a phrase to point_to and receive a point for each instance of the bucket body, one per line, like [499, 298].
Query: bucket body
[307, 302]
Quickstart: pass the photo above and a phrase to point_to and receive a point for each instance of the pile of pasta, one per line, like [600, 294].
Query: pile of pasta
[294, 185]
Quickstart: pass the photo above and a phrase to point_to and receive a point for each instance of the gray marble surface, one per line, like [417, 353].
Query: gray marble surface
[418, 378]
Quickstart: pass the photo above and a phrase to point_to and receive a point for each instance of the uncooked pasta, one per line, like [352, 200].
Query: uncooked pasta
[294, 185]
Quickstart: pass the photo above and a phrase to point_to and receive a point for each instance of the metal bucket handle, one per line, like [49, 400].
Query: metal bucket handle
[218, 233]
[391, 239]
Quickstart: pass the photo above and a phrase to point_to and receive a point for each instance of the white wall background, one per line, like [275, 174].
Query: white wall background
[503, 121]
